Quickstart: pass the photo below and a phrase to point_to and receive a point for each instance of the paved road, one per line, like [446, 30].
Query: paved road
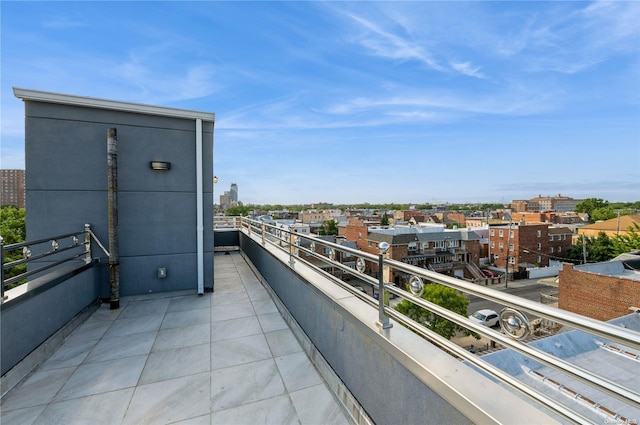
[529, 289]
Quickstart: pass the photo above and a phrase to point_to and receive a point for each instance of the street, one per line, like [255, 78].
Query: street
[529, 289]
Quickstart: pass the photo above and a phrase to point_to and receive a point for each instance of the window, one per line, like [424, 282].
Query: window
[359, 235]
[511, 234]
[512, 260]
[551, 249]
[500, 233]
[500, 246]
[511, 247]
[539, 259]
[452, 244]
[492, 232]
[438, 244]
[550, 237]
[559, 249]
[539, 233]
[493, 245]
[539, 246]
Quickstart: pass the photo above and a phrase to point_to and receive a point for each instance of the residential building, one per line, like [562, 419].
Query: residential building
[12, 188]
[545, 203]
[560, 240]
[615, 226]
[602, 291]
[519, 244]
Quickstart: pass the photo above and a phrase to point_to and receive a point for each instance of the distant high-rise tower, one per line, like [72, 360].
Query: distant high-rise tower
[234, 194]
[12, 188]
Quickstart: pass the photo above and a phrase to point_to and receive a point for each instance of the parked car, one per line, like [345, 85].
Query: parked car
[485, 317]
[489, 273]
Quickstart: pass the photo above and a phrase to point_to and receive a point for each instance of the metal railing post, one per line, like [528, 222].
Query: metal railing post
[264, 231]
[1, 268]
[87, 243]
[383, 320]
[292, 249]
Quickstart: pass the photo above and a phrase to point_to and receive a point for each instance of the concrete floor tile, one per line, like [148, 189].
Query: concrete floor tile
[170, 364]
[169, 339]
[121, 346]
[282, 342]
[297, 371]
[170, 401]
[316, 405]
[180, 319]
[238, 385]
[39, 388]
[273, 411]
[101, 409]
[235, 328]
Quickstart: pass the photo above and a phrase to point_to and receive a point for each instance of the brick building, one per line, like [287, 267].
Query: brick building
[519, 243]
[602, 291]
[12, 188]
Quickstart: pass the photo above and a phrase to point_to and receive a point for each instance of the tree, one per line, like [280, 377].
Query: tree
[384, 221]
[598, 248]
[12, 224]
[13, 230]
[329, 227]
[590, 204]
[627, 242]
[601, 214]
[237, 210]
[445, 297]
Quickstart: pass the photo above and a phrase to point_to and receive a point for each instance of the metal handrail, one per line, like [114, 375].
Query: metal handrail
[290, 242]
[75, 242]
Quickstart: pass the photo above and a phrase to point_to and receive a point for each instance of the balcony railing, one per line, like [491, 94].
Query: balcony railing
[39, 256]
[514, 324]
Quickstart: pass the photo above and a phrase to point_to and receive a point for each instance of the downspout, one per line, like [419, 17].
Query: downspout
[199, 204]
[112, 212]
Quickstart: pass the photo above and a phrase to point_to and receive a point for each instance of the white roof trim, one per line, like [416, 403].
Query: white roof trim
[90, 102]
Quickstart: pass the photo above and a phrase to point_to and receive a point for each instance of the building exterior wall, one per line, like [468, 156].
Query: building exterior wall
[12, 188]
[66, 159]
[596, 295]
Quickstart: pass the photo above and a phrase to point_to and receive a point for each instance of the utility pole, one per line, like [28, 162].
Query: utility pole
[506, 266]
[584, 251]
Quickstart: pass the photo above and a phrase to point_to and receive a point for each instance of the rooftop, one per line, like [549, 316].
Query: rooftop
[227, 357]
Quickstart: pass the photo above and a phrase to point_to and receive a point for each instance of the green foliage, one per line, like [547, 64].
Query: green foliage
[605, 213]
[591, 204]
[445, 297]
[238, 210]
[604, 248]
[12, 225]
[627, 242]
[13, 230]
[384, 221]
[329, 227]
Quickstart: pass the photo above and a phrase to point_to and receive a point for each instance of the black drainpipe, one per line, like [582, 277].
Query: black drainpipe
[112, 206]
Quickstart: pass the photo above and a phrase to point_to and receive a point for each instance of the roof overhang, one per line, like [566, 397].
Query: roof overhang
[91, 102]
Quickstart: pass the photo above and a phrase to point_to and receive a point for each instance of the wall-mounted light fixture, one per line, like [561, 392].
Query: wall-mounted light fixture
[160, 165]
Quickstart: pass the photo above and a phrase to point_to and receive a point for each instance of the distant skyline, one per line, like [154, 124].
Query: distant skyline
[355, 102]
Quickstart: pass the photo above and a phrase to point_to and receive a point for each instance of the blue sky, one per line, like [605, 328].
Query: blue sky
[352, 102]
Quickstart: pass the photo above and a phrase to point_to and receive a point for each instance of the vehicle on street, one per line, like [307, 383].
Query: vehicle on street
[485, 317]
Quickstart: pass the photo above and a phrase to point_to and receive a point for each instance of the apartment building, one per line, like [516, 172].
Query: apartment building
[541, 203]
[519, 243]
[12, 188]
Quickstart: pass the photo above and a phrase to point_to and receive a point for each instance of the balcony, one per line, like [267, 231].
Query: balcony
[281, 341]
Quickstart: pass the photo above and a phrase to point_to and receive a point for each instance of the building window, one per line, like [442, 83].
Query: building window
[539, 246]
[539, 233]
[559, 249]
[500, 246]
[511, 234]
[550, 237]
[493, 245]
[551, 249]
[511, 248]
[512, 260]
[500, 233]
[539, 259]
[492, 232]
[359, 235]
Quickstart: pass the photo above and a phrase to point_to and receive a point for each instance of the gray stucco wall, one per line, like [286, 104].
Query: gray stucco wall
[66, 187]
[29, 320]
[389, 393]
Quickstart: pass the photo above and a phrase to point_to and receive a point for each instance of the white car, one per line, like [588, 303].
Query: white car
[485, 317]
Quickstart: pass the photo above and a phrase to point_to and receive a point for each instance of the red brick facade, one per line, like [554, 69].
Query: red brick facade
[595, 295]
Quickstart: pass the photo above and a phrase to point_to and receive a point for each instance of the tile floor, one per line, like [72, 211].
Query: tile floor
[176, 358]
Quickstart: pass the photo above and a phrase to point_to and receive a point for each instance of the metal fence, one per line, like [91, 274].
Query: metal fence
[20, 261]
[328, 258]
